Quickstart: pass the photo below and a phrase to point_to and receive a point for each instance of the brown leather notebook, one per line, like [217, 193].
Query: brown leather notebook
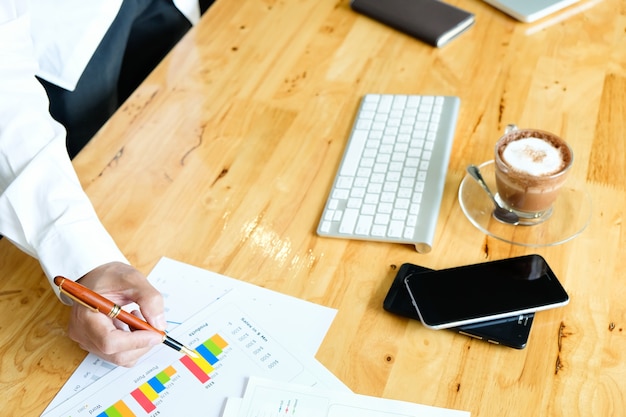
[431, 21]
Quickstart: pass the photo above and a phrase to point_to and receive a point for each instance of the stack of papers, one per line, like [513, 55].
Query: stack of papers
[271, 398]
[251, 358]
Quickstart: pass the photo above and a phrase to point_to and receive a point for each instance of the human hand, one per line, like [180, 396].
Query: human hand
[111, 339]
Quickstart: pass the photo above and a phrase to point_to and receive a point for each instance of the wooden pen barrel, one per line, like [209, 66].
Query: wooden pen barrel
[95, 301]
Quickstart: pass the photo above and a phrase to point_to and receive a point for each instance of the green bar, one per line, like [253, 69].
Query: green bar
[213, 348]
[162, 377]
[113, 412]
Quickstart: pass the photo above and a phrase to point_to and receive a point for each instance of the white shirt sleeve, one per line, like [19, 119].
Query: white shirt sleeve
[43, 208]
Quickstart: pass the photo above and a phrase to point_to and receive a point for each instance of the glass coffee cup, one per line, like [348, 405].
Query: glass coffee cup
[531, 166]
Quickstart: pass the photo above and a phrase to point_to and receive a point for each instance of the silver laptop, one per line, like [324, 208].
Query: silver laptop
[530, 10]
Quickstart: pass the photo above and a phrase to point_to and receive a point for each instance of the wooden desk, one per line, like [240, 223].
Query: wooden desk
[224, 157]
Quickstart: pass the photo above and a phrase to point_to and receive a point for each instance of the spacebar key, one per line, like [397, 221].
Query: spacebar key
[353, 153]
[348, 221]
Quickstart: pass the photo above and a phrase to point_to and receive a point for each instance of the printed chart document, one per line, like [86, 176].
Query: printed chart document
[232, 345]
[187, 289]
[268, 398]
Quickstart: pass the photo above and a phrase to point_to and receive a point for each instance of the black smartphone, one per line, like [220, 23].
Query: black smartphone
[510, 331]
[487, 291]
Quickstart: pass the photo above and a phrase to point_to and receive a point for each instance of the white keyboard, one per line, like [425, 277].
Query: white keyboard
[390, 182]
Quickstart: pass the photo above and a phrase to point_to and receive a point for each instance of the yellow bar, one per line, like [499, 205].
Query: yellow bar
[203, 364]
[149, 391]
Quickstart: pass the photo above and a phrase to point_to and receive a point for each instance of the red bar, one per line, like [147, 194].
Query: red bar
[195, 369]
[143, 401]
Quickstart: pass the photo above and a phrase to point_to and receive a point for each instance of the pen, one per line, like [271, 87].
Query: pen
[98, 303]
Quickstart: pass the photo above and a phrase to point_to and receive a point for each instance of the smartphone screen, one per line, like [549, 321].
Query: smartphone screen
[509, 331]
[491, 290]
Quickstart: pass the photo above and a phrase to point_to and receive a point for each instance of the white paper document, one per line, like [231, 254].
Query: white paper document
[266, 398]
[187, 289]
[232, 345]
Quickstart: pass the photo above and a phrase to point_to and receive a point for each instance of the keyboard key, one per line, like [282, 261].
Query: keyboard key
[384, 104]
[372, 199]
[364, 224]
[348, 221]
[357, 192]
[368, 209]
[364, 125]
[354, 203]
[398, 214]
[404, 193]
[381, 218]
[344, 182]
[385, 207]
[357, 143]
[341, 193]
[403, 203]
[379, 231]
[395, 229]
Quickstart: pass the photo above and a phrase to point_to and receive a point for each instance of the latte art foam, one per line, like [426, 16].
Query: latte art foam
[533, 156]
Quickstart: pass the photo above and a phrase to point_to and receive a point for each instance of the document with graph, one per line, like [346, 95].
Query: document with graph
[187, 289]
[232, 346]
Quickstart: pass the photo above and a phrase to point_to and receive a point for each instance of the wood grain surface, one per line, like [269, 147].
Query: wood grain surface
[224, 156]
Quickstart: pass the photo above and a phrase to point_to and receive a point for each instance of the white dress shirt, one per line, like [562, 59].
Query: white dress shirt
[67, 32]
[43, 208]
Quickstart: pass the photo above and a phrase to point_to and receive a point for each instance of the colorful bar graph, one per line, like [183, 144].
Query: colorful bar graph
[165, 376]
[208, 351]
[221, 343]
[143, 400]
[156, 385]
[148, 392]
[144, 395]
[119, 409]
[195, 369]
[207, 354]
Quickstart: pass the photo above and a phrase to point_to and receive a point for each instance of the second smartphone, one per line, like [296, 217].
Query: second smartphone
[511, 331]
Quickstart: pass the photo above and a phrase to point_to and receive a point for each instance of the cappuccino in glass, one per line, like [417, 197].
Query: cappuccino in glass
[531, 166]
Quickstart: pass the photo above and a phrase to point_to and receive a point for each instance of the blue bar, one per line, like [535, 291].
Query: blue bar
[156, 384]
[206, 354]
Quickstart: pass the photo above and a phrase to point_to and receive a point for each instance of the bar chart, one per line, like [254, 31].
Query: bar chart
[144, 395]
[148, 393]
[231, 346]
[307, 322]
[209, 351]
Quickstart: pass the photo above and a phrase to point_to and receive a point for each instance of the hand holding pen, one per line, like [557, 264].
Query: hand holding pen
[101, 335]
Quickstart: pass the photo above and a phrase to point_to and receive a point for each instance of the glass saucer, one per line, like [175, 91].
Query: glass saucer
[571, 214]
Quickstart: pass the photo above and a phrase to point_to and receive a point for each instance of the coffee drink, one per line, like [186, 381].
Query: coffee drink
[531, 167]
